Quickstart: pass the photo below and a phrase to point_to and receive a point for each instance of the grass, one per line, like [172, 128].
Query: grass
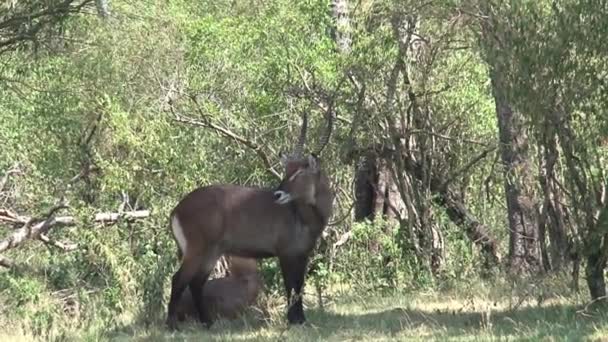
[481, 314]
[401, 317]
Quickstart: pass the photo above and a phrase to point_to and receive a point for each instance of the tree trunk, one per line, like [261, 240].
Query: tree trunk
[524, 248]
[103, 8]
[341, 31]
[595, 275]
[585, 204]
[553, 216]
[365, 182]
[477, 232]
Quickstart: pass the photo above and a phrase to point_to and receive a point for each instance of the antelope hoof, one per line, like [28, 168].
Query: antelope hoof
[206, 323]
[296, 319]
[282, 197]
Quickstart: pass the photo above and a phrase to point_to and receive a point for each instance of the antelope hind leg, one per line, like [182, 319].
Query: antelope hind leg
[180, 280]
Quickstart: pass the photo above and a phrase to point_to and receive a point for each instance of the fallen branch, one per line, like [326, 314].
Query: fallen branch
[66, 247]
[12, 217]
[113, 217]
[584, 311]
[36, 228]
[33, 231]
[5, 262]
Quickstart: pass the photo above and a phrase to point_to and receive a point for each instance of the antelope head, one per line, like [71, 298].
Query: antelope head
[303, 175]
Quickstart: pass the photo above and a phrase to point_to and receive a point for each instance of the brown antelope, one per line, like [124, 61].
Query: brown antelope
[226, 297]
[253, 222]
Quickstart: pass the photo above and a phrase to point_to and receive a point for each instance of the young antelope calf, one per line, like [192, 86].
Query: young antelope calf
[225, 297]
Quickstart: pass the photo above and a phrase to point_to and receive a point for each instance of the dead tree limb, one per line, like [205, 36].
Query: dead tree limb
[31, 230]
[9, 216]
[36, 228]
[5, 262]
[66, 247]
[113, 217]
[477, 232]
[231, 135]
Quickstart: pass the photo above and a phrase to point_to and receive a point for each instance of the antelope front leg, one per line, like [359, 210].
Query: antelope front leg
[294, 271]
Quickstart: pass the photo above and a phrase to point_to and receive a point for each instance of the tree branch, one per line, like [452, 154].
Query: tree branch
[25, 24]
[113, 217]
[36, 228]
[468, 166]
[228, 134]
[66, 247]
[31, 230]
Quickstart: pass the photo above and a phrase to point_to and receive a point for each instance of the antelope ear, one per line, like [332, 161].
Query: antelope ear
[284, 159]
[312, 163]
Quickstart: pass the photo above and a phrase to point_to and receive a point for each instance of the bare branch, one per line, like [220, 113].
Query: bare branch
[6, 262]
[26, 22]
[30, 230]
[36, 228]
[231, 135]
[113, 217]
[9, 216]
[67, 247]
[445, 137]
[468, 166]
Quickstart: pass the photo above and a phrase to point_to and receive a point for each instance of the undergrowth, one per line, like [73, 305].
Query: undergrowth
[118, 286]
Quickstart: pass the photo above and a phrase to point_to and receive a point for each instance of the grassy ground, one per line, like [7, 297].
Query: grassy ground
[462, 316]
[395, 317]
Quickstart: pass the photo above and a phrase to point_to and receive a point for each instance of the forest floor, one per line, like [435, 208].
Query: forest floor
[433, 317]
[405, 317]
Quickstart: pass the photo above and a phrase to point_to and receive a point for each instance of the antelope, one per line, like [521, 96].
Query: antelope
[226, 297]
[253, 222]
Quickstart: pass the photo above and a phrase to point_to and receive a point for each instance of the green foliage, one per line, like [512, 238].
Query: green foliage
[243, 64]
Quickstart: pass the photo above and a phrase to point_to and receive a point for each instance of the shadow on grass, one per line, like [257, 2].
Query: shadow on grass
[561, 321]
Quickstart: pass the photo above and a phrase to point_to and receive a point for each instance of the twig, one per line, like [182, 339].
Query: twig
[584, 310]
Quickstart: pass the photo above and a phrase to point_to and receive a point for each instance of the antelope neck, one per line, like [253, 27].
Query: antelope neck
[297, 207]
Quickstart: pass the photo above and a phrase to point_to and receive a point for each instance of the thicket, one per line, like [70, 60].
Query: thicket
[132, 110]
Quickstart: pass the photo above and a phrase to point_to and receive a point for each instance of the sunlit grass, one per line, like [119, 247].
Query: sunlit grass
[401, 317]
[473, 312]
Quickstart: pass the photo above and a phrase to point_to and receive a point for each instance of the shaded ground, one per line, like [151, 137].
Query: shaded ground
[396, 318]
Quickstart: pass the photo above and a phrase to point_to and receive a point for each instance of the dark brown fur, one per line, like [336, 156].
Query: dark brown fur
[255, 223]
[247, 222]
